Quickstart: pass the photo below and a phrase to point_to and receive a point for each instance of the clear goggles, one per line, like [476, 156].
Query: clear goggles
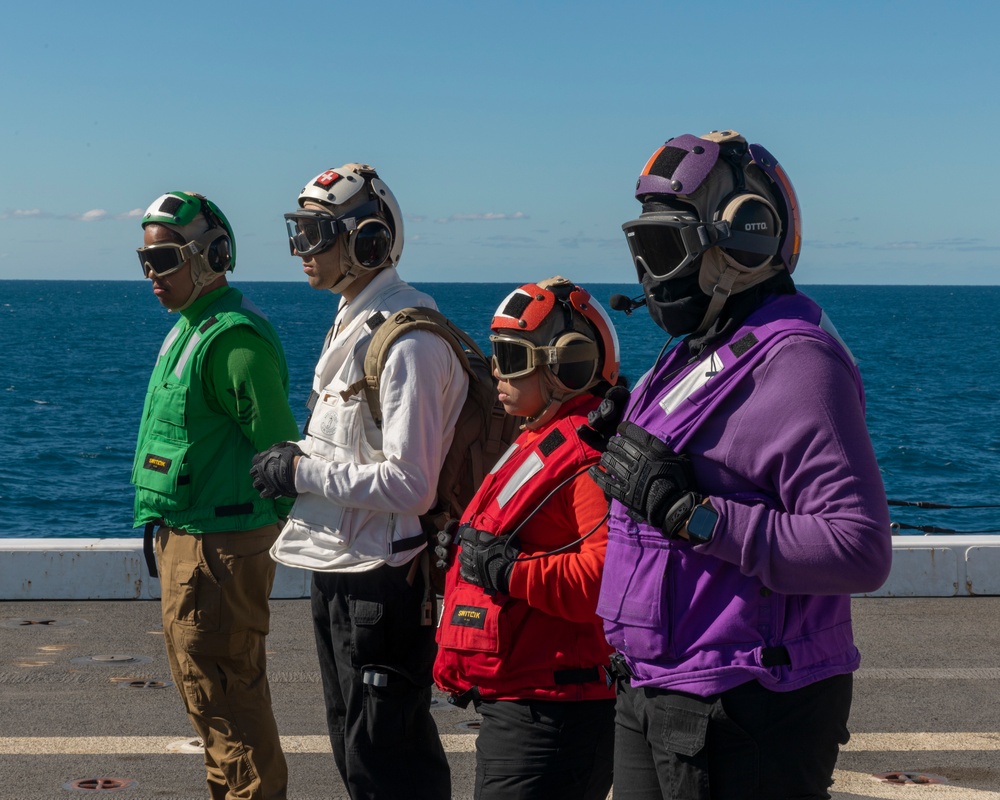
[663, 246]
[311, 231]
[166, 258]
[515, 358]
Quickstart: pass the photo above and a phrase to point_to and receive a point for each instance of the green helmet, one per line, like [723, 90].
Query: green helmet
[197, 219]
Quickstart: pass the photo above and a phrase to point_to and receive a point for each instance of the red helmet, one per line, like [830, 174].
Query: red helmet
[557, 324]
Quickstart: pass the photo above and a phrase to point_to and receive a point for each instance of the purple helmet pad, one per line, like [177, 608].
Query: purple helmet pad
[679, 167]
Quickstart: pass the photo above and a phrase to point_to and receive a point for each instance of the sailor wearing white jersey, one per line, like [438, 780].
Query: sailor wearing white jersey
[359, 489]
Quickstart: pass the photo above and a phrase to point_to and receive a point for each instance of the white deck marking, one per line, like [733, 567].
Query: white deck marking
[147, 745]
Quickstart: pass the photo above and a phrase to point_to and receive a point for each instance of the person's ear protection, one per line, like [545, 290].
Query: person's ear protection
[755, 230]
[218, 253]
[370, 243]
[575, 370]
[216, 243]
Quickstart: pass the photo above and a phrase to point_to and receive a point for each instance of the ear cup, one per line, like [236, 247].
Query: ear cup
[219, 253]
[371, 243]
[574, 374]
[750, 217]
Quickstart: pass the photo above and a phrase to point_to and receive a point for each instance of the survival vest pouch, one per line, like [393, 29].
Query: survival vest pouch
[483, 431]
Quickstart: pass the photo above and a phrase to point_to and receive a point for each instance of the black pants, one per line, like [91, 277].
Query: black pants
[542, 750]
[375, 658]
[748, 743]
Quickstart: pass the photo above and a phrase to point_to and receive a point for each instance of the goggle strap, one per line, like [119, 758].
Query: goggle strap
[584, 350]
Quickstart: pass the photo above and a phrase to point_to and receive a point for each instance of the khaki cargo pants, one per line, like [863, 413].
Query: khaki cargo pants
[214, 590]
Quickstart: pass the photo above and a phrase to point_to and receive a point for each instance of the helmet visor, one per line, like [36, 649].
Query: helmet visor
[664, 246]
[164, 259]
[515, 358]
[512, 358]
[311, 232]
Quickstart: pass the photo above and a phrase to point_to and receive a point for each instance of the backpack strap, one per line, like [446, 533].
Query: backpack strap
[385, 334]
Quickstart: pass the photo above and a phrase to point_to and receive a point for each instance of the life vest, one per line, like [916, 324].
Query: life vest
[500, 647]
[192, 464]
[673, 611]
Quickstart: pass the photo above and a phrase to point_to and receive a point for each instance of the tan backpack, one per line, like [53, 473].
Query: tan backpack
[483, 432]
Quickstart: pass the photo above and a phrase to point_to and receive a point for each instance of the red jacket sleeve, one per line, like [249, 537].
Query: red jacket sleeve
[566, 584]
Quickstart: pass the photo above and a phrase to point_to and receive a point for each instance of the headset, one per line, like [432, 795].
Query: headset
[754, 223]
[369, 244]
[216, 242]
[745, 225]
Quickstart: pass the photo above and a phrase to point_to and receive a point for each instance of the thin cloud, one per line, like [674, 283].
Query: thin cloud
[25, 213]
[507, 242]
[960, 244]
[575, 242]
[954, 244]
[93, 215]
[490, 216]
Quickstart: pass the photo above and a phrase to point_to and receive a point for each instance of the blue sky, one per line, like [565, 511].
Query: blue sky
[511, 133]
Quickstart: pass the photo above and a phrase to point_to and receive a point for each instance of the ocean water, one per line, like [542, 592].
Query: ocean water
[75, 358]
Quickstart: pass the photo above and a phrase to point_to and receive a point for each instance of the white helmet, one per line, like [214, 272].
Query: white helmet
[362, 207]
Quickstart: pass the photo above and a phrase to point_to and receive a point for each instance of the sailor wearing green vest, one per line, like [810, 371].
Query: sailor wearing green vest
[218, 395]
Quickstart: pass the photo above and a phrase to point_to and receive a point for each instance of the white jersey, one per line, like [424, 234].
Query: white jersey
[362, 488]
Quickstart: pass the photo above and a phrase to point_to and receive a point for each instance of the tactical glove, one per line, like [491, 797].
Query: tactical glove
[273, 471]
[652, 481]
[444, 543]
[486, 560]
[602, 421]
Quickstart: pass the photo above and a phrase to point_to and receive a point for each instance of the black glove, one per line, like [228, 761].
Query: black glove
[486, 560]
[602, 421]
[444, 544]
[652, 481]
[273, 471]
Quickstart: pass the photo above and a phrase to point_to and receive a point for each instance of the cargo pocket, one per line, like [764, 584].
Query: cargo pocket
[367, 631]
[195, 601]
[391, 705]
[684, 723]
[161, 469]
[634, 599]
[470, 621]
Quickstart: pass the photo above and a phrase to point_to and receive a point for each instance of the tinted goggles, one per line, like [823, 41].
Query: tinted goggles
[515, 358]
[311, 231]
[664, 246]
[166, 258]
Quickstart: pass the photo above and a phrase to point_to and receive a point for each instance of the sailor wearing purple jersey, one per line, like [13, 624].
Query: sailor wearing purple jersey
[747, 502]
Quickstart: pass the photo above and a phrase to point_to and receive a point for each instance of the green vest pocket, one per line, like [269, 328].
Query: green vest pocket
[159, 469]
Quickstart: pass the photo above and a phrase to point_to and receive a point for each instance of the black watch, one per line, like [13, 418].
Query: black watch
[700, 526]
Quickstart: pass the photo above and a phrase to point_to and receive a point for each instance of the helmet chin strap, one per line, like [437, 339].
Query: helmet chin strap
[556, 393]
[720, 294]
[346, 279]
[201, 276]
[348, 275]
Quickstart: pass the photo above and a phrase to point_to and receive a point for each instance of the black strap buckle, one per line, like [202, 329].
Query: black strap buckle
[468, 696]
[617, 669]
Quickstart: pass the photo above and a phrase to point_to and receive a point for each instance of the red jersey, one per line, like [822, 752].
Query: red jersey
[543, 640]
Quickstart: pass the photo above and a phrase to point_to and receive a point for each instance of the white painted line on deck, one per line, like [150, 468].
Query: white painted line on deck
[911, 742]
[152, 745]
[465, 743]
[851, 785]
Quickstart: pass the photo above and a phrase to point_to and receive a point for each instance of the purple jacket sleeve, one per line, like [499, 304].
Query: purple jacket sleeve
[799, 435]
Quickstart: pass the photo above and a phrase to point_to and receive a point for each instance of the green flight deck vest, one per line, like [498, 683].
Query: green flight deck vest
[192, 463]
